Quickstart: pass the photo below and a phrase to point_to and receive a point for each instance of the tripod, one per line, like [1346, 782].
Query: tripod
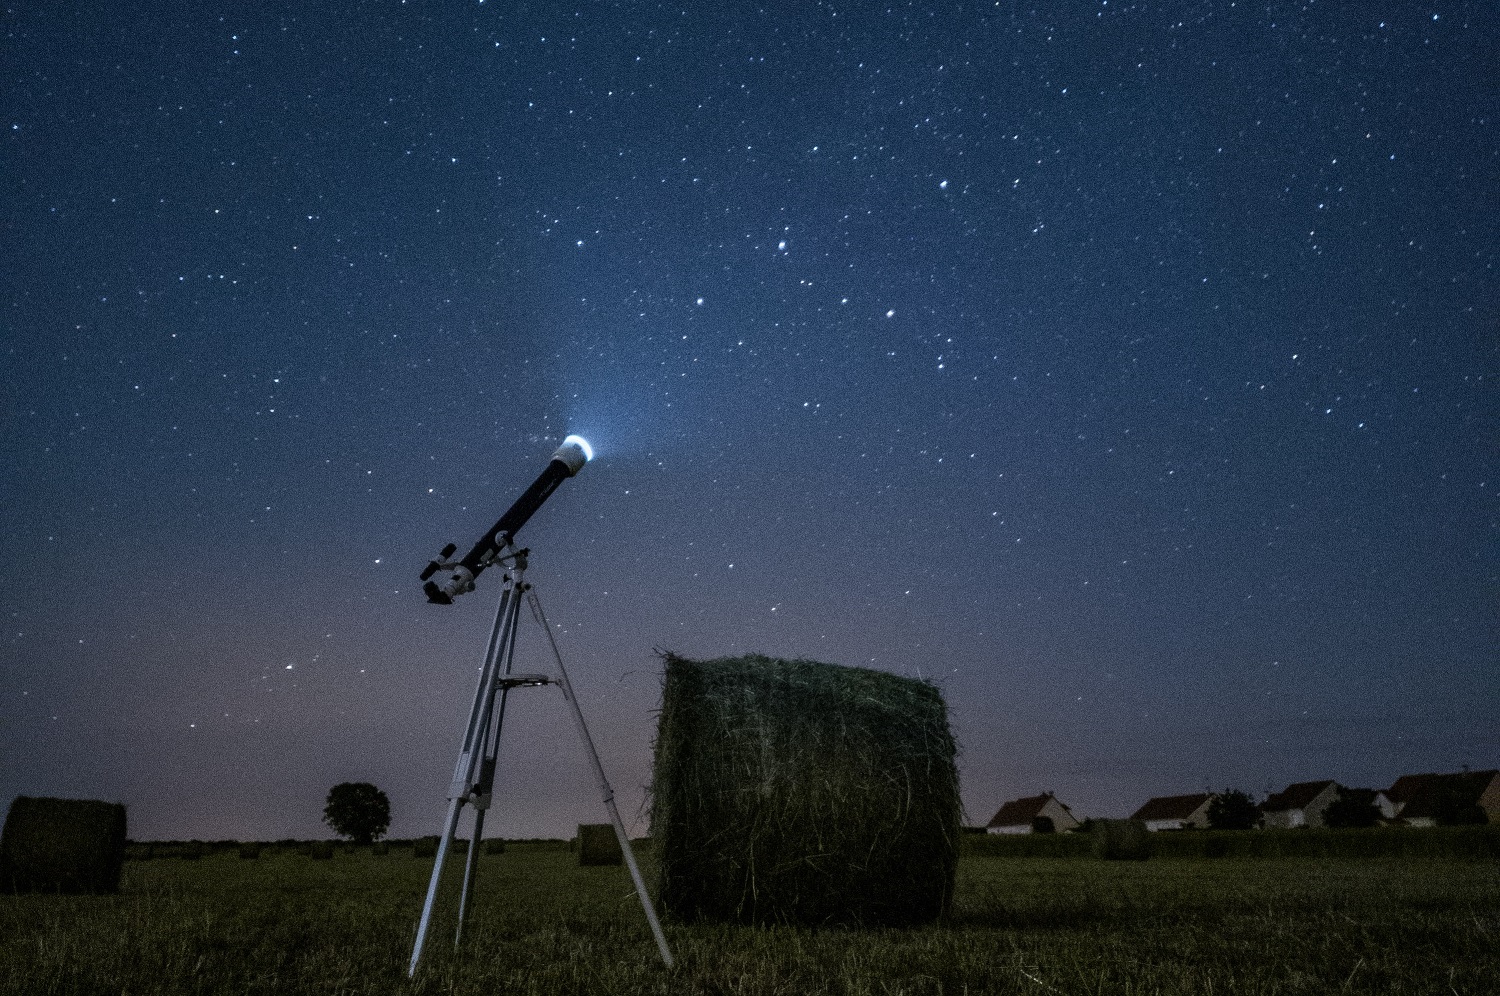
[474, 774]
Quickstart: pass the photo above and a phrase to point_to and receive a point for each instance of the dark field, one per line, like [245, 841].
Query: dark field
[1066, 924]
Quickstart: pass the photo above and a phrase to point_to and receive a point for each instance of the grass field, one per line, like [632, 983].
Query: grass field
[285, 923]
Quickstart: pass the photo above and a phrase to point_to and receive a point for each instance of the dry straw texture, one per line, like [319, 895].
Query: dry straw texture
[598, 845]
[1122, 840]
[62, 845]
[799, 792]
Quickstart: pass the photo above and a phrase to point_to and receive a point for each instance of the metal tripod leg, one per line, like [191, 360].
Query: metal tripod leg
[471, 865]
[476, 735]
[605, 790]
[484, 789]
[473, 775]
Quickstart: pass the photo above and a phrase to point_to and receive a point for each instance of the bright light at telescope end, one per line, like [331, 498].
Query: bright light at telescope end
[574, 452]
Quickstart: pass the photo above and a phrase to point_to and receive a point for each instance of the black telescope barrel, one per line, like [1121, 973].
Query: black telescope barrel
[515, 517]
[567, 461]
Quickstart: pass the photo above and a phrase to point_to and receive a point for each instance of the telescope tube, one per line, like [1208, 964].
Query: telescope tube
[566, 462]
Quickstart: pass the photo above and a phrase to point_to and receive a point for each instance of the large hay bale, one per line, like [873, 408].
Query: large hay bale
[62, 845]
[1122, 840]
[799, 792]
[598, 845]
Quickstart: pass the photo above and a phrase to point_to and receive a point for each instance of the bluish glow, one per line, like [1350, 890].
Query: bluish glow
[583, 444]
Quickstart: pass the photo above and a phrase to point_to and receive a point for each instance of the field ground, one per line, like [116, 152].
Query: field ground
[1042, 926]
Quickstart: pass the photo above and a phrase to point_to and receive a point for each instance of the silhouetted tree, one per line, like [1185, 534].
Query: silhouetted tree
[1233, 810]
[1353, 808]
[357, 810]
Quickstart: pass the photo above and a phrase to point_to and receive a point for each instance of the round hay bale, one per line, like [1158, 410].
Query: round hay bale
[799, 792]
[249, 851]
[321, 850]
[1122, 840]
[495, 845]
[598, 845]
[424, 847]
[62, 845]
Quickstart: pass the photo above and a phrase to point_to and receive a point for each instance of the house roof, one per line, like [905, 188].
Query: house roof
[1408, 787]
[1424, 795]
[1171, 807]
[1019, 812]
[1298, 796]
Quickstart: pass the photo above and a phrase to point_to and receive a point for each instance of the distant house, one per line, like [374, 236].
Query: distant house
[1427, 800]
[1176, 812]
[1022, 815]
[1299, 805]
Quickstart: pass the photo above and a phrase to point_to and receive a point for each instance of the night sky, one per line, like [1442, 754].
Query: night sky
[1128, 370]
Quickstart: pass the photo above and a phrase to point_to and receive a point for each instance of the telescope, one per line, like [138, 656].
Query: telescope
[473, 781]
[566, 461]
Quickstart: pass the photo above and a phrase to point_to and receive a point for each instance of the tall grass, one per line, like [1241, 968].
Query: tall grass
[542, 924]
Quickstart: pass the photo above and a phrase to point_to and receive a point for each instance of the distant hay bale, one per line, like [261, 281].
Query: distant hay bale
[321, 850]
[598, 845]
[249, 851]
[62, 845]
[495, 845]
[380, 848]
[1122, 840]
[424, 847]
[799, 792]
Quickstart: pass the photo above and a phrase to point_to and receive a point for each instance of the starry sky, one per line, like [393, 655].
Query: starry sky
[1128, 370]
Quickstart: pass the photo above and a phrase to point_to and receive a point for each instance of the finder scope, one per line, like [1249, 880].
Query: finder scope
[566, 461]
